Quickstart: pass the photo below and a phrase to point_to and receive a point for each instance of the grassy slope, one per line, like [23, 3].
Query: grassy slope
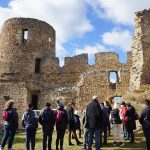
[20, 143]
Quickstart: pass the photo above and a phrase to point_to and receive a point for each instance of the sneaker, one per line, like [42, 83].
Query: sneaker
[115, 144]
[79, 143]
[122, 144]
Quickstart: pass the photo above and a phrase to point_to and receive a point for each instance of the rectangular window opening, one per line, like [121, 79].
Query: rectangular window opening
[35, 101]
[113, 77]
[37, 65]
[24, 35]
[49, 40]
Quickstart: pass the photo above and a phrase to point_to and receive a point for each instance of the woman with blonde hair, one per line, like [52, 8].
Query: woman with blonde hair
[10, 118]
[116, 123]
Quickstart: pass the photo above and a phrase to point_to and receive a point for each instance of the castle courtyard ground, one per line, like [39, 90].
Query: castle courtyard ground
[19, 143]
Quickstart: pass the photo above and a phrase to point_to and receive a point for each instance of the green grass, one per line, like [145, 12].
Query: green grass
[19, 142]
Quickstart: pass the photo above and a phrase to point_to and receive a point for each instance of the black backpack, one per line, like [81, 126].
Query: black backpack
[30, 119]
[115, 118]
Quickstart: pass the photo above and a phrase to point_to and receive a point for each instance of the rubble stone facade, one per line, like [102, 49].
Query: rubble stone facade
[30, 71]
[140, 72]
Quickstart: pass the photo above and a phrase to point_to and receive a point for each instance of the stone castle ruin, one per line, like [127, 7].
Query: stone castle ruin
[30, 71]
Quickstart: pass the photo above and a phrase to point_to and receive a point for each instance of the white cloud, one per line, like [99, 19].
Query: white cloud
[119, 11]
[68, 17]
[118, 38]
[90, 50]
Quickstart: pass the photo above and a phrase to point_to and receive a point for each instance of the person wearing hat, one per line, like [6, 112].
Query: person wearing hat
[47, 120]
[61, 120]
[116, 124]
[94, 116]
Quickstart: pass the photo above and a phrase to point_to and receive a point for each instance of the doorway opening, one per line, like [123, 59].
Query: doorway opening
[35, 101]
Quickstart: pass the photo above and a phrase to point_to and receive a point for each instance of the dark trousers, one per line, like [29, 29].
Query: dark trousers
[130, 135]
[125, 131]
[73, 132]
[60, 136]
[93, 132]
[103, 135]
[9, 134]
[147, 136]
[109, 128]
[79, 129]
[47, 134]
[30, 138]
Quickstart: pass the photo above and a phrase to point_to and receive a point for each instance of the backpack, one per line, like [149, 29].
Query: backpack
[59, 116]
[115, 118]
[30, 119]
[77, 121]
[46, 116]
[6, 115]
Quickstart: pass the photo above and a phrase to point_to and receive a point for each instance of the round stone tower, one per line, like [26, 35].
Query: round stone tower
[24, 43]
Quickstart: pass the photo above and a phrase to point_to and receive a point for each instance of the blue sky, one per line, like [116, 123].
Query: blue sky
[82, 26]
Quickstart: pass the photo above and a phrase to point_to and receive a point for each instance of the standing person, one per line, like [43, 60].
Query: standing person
[105, 124]
[47, 120]
[145, 122]
[77, 122]
[123, 112]
[94, 116]
[71, 124]
[116, 123]
[30, 122]
[10, 117]
[109, 109]
[130, 123]
[61, 119]
[86, 130]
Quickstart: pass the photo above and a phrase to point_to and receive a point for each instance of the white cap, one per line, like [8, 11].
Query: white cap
[116, 106]
[95, 97]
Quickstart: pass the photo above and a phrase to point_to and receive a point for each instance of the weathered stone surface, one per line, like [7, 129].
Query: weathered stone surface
[140, 72]
[76, 81]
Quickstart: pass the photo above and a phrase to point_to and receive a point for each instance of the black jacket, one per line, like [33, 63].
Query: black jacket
[71, 121]
[49, 124]
[145, 118]
[13, 122]
[130, 113]
[94, 115]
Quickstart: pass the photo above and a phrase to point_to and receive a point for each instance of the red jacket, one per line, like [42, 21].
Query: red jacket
[123, 111]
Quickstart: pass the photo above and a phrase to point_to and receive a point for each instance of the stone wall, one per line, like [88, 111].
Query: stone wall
[76, 81]
[96, 80]
[16, 91]
[140, 72]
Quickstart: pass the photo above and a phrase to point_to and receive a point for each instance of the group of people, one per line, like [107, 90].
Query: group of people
[97, 121]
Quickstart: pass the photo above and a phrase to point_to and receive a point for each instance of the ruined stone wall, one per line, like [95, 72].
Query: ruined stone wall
[76, 81]
[140, 72]
[16, 91]
[95, 81]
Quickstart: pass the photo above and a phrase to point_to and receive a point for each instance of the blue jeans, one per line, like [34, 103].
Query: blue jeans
[47, 134]
[9, 134]
[103, 137]
[130, 135]
[97, 138]
[30, 137]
